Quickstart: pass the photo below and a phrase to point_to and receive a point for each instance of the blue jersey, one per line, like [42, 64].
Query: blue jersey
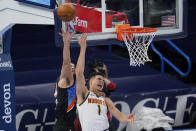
[66, 103]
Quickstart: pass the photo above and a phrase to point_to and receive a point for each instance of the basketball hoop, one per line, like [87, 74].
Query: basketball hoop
[137, 40]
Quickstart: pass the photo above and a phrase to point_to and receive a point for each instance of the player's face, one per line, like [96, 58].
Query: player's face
[97, 83]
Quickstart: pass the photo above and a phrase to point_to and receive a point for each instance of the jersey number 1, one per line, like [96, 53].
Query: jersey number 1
[99, 109]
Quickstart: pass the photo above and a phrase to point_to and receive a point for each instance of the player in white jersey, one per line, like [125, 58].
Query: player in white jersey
[93, 113]
[92, 105]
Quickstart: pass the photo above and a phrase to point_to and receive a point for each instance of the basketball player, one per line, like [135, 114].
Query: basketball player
[109, 86]
[100, 66]
[66, 88]
[64, 97]
[91, 104]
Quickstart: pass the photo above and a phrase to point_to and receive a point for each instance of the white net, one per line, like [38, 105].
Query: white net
[137, 45]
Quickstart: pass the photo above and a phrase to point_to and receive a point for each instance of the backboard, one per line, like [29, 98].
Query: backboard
[43, 3]
[99, 17]
[1, 45]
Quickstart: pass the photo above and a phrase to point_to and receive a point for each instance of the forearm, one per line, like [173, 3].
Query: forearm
[123, 118]
[118, 115]
[110, 85]
[81, 90]
[66, 54]
[114, 111]
[81, 61]
[107, 81]
[66, 77]
[66, 39]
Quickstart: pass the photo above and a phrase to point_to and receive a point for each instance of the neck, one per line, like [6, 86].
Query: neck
[98, 93]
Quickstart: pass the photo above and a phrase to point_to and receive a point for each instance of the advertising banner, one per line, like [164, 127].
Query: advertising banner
[177, 104]
[7, 90]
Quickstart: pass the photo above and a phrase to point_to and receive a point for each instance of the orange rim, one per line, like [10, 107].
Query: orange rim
[139, 30]
[126, 28]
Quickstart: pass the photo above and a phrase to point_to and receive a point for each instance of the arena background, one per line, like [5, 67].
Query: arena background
[37, 62]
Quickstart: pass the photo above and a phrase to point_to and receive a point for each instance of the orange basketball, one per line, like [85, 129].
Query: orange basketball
[66, 12]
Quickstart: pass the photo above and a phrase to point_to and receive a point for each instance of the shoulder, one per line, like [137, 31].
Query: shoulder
[107, 98]
[84, 99]
[109, 102]
[62, 83]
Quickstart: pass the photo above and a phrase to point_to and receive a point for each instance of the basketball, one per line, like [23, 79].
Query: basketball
[66, 12]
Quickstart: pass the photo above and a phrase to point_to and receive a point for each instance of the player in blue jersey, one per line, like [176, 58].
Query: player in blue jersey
[66, 88]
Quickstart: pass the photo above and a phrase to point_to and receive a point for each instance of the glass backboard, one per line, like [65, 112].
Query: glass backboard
[44, 3]
[99, 17]
[1, 45]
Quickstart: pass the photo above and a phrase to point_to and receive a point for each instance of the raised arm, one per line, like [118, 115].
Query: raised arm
[81, 90]
[66, 76]
[117, 114]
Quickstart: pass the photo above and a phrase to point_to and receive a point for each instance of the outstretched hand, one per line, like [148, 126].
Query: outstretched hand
[66, 35]
[131, 118]
[82, 40]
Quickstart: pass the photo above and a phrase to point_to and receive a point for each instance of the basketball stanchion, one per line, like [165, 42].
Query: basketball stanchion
[137, 40]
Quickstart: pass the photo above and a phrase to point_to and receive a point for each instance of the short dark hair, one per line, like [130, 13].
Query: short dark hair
[92, 74]
[97, 63]
[97, 66]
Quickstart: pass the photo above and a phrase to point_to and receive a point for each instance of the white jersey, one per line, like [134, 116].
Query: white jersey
[93, 113]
